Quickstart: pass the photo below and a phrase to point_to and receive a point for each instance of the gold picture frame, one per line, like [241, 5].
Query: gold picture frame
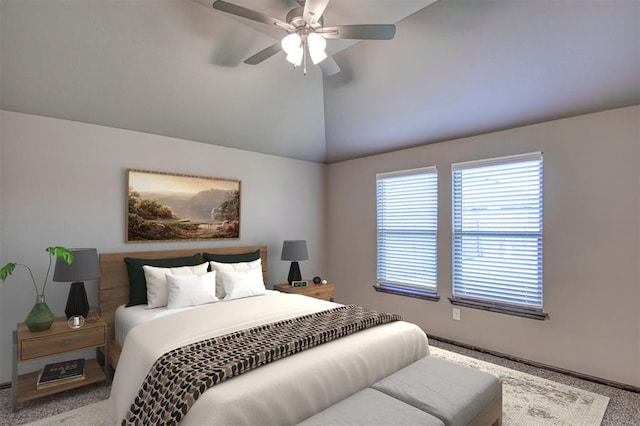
[173, 207]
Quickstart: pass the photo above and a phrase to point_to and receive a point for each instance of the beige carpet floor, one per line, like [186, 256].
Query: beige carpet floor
[527, 401]
[96, 414]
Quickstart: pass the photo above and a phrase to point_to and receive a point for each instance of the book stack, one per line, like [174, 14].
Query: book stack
[61, 372]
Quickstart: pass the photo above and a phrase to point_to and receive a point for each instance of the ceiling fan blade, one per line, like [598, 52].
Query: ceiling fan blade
[329, 66]
[243, 12]
[313, 10]
[264, 54]
[359, 32]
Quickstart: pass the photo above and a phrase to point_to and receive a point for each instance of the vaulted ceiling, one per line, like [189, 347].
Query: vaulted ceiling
[455, 68]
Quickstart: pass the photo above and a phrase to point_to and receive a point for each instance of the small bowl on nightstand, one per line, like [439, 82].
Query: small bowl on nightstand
[76, 321]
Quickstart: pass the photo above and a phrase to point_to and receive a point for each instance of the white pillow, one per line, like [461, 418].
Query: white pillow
[191, 290]
[240, 266]
[239, 284]
[157, 294]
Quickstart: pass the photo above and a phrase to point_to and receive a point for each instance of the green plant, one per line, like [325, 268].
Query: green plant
[61, 252]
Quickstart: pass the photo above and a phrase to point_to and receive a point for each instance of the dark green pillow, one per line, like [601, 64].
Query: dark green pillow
[137, 282]
[232, 258]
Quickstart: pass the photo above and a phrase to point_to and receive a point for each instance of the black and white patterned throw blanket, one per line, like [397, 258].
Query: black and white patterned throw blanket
[178, 378]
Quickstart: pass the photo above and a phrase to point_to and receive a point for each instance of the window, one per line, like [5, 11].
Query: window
[497, 234]
[407, 209]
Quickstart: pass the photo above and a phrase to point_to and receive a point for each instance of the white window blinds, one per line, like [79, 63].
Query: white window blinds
[497, 231]
[407, 209]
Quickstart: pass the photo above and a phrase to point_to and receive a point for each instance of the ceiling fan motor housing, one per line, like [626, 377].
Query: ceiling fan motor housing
[295, 17]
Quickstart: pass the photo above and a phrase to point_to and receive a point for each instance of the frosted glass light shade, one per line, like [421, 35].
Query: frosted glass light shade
[295, 57]
[317, 44]
[291, 43]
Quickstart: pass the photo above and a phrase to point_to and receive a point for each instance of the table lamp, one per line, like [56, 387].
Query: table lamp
[294, 250]
[85, 267]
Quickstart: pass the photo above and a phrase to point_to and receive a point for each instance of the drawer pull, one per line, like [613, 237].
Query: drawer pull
[66, 342]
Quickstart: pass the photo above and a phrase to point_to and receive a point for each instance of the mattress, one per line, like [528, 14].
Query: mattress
[127, 318]
[284, 392]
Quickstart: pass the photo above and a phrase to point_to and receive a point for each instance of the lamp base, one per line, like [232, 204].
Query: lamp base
[77, 302]
[294, 273]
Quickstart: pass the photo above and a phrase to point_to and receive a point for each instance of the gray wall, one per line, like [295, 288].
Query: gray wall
[592, 221]
[1, 221]
[591, 243]
[63, 183]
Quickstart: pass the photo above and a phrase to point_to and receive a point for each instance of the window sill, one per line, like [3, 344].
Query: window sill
[501, 309]
[403, 291]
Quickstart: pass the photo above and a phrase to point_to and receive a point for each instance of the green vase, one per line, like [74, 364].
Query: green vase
[40, 318]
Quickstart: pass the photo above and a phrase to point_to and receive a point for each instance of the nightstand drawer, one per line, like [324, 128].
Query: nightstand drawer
[323, 292]
[37, 347]
[319, 291]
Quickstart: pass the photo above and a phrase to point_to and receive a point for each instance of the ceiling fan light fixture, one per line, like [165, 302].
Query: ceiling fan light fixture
[317, 44]
[306, 33]
[295, 57]
[291, 43]
[317, 57]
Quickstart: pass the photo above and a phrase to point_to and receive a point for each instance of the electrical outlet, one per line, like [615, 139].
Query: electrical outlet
[456, 314]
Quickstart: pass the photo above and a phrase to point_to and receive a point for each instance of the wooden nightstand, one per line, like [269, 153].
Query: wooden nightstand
[59, 339]
[319, 291]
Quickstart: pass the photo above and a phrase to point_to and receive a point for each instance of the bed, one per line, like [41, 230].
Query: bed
[286, 391]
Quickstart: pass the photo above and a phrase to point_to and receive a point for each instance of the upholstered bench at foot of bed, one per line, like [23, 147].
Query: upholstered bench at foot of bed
[431, 391]
[456, 394]
[372, 408]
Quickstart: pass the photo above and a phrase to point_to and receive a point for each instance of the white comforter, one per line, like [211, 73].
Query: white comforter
[284, 392]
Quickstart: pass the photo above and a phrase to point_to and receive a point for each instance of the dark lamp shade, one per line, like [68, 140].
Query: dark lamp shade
[85, 266]
[294, 250]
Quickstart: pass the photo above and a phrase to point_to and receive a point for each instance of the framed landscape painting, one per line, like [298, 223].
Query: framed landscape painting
[171, 207]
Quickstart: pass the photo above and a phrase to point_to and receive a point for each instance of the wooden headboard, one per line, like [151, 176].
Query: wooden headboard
[114, 280]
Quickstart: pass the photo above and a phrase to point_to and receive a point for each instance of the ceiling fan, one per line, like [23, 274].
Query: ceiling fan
[306, 33]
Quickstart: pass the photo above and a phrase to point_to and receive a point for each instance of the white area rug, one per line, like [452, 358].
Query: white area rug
[527, 401]
[533, 401]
